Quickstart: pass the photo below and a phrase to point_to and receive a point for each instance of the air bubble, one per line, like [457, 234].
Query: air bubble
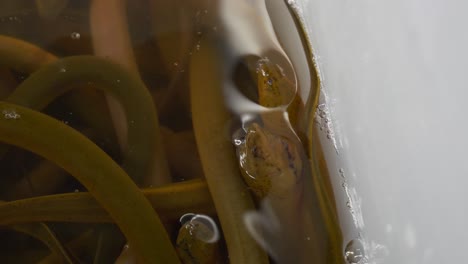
[257, 151]
[237, 142]
[206, 228]
[354, 252]
[178, 67]
[63, 70]
[317, 119]
[186, 217]
[238, 137]
[10, 114]
[201, 226]
[75, 35]
[322, 114]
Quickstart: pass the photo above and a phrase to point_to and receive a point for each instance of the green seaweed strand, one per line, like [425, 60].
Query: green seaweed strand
[52, 80]
[103, 178]
[325, 199]
[26, 58]
[42, 232]
[170, 201]
[231, 197]
[22, 56]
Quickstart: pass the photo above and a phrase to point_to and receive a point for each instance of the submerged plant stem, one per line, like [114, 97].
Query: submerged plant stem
[231, 197]
[51, 81]
[324, 194]
[43, 179]
[42, 232]
[26, 58]
[22, 56]
[170, 201]
[77, 246]
[103, 178]
[116, 46]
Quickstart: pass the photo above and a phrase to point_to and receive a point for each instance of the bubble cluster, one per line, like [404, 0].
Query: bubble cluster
[10, 114]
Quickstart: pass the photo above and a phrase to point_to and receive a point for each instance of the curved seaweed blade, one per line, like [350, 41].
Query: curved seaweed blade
[53, 140]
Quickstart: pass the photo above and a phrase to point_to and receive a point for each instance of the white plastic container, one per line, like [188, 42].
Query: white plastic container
[394, 88]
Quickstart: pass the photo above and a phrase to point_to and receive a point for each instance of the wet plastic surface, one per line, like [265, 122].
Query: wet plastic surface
[393, 87]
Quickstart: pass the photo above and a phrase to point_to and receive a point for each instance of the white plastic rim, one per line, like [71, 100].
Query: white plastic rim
[394, 91]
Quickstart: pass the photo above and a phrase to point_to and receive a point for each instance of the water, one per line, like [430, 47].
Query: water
[265, 84]
[259, 48]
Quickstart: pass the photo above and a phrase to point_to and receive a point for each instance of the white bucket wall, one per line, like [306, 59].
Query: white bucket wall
[395, 86]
